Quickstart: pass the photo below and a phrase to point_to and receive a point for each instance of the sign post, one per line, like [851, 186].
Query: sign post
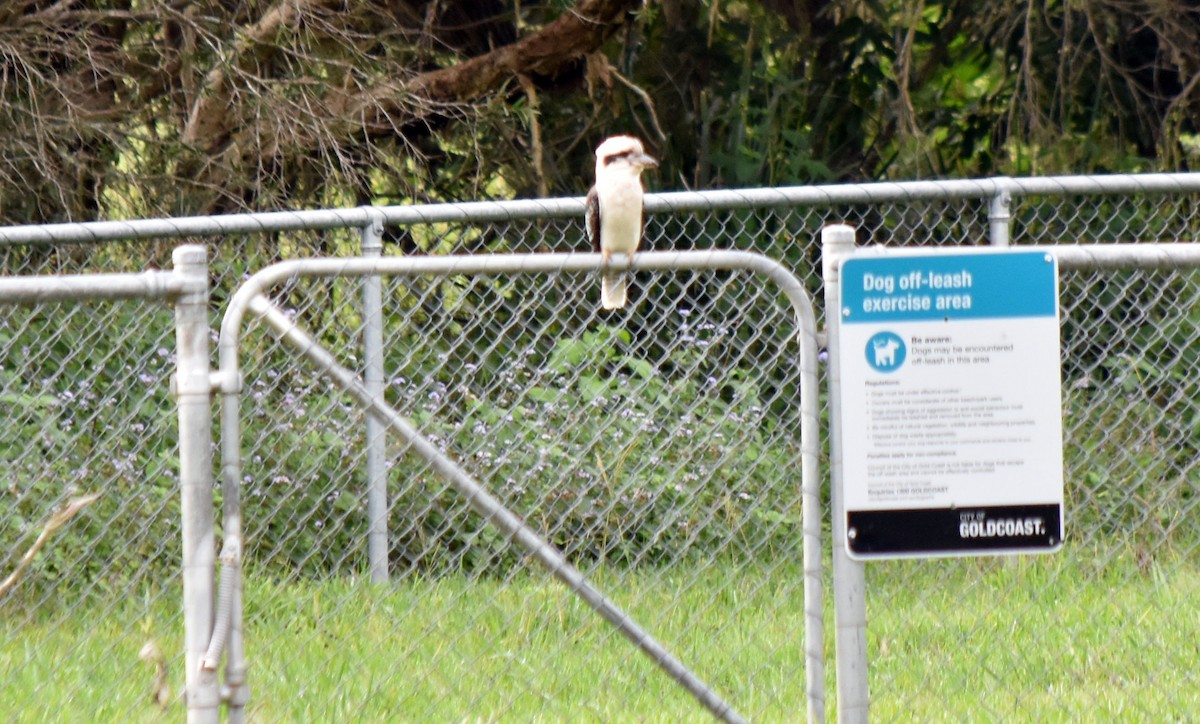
[951, 404]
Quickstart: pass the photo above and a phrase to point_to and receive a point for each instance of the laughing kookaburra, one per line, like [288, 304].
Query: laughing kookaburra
[614, 208]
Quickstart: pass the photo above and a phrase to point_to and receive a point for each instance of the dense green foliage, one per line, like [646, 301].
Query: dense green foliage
[88, 412]
[124, 108]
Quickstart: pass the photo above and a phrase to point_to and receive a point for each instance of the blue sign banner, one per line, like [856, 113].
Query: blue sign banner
[949, 286]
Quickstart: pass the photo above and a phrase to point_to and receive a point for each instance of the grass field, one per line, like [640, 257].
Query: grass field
[1053, 638]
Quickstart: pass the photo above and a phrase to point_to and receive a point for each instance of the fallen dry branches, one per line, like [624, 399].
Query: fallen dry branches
[57, 520]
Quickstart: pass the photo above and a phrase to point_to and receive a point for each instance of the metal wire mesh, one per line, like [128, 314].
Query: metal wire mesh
[656, 446]
[86, 413]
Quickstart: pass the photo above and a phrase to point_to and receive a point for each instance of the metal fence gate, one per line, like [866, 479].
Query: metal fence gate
[312, 628]
[625, 450]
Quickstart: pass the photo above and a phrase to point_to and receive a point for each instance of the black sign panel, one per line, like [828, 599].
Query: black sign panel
[954, 531]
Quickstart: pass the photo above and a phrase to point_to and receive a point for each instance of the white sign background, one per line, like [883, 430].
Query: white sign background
[971, 417]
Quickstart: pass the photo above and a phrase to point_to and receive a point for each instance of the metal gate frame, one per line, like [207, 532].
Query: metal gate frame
[849, 585]
[186, 287]
[250, 297]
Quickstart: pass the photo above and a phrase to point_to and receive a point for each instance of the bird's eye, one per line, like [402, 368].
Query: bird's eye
[616, 157]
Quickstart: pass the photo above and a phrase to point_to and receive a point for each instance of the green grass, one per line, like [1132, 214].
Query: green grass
[528, 649]
[1053, 638]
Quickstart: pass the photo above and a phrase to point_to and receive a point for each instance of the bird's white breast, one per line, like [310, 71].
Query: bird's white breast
[621, 213]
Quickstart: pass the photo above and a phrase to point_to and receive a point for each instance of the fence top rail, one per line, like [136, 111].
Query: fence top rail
[1178, 255]
[1173, 255]
[110, 287]
[249, 296]
[565, 207]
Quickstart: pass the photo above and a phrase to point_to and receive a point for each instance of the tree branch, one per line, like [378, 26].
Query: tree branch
[565, 40]
[57, 520]
[211, 118]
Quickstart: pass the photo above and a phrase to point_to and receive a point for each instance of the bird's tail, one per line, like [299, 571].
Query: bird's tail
[612, 291]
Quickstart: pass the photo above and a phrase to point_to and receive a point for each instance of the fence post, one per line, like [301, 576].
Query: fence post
[376, 440]
[999, 214]
[849, 585]
[193, 396]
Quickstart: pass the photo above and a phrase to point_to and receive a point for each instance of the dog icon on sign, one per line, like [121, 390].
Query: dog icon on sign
[886, 352]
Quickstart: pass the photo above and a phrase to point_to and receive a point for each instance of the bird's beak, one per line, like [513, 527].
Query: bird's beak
[645, 161]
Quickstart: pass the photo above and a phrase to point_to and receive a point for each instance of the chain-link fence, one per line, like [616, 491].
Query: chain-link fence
[656, 446]
[91, 447]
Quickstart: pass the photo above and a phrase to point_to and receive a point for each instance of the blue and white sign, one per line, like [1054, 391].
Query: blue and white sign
[951, 417]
